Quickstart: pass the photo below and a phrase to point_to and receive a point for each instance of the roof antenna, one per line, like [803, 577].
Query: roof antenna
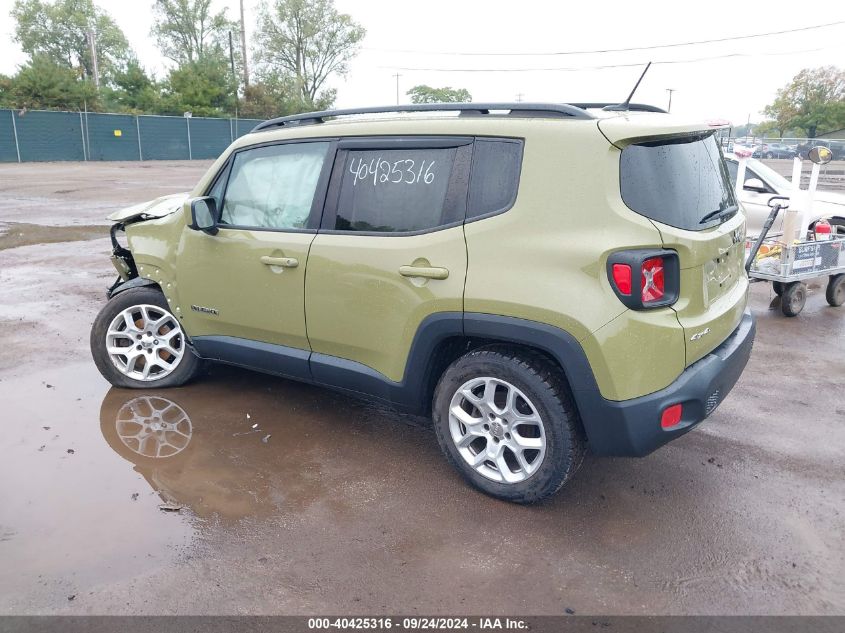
[624, 107]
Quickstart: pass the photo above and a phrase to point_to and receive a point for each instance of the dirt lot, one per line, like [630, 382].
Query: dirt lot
[349, 509]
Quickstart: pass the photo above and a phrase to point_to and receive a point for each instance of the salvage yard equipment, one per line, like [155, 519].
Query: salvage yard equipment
[788, 262]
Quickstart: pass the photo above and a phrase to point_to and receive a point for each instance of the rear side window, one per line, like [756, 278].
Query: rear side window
[400, 190]
[494, 180]
[683, 182]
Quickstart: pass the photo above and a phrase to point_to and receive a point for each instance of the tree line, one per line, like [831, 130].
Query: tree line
[297, 46]
[79, 58]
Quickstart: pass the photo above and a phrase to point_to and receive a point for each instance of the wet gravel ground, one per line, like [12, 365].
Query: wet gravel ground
[329, 505]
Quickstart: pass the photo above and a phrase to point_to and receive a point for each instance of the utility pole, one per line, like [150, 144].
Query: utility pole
[397, 75]
[670, 91]
[243, 47]
[519, 96]
[92, 43]
[234, 76]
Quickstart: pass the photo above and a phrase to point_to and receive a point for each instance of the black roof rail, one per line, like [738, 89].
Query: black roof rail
[638, 107]
[552, 110]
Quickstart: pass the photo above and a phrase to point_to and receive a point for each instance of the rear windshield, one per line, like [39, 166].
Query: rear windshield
[679, 182]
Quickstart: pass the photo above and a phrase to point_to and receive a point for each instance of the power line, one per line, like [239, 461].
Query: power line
[614, 50]
[598, 67]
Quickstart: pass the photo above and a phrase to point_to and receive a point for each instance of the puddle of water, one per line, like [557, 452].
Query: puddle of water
[14, 234]
[236, 444]
[71, 512]
[113, 482]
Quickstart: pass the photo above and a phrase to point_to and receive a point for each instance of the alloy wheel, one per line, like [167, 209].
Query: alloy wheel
[497, 430]
[145, 342]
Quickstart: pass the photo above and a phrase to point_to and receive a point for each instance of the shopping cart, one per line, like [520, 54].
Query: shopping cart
[788, 266]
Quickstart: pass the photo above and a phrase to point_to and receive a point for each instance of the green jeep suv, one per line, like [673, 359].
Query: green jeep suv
[541, 279]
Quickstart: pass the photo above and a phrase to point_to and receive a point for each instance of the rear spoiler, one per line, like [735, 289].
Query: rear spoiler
[624, 130]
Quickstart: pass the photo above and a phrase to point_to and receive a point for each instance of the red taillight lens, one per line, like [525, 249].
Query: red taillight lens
[644, 279]
[622, 278]
[652, 280]
[671, 416]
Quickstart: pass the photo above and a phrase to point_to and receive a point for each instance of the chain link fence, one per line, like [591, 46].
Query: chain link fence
[35, 135]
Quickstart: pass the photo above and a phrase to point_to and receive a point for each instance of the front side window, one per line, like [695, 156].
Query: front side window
[680, 182]
[273, 187]
[398, 190]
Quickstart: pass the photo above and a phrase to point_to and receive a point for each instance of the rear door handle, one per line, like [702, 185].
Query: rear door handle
[422, 271]
[284, 262]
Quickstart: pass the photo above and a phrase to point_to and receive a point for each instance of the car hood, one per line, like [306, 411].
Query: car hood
[157, 208]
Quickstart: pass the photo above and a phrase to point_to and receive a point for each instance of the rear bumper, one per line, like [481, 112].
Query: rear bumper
[632, 427]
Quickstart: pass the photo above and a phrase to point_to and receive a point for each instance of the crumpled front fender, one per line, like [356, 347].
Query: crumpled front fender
[157, 208]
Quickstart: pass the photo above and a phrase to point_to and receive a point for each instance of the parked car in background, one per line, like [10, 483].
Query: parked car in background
[837, 147]
[776, 150]
[762, 182]
[745, 149]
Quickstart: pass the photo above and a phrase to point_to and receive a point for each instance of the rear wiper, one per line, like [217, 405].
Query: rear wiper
[722, 214]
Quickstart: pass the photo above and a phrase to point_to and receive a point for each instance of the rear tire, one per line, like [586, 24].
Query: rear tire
[777, 286]
[506, 422]
[835, 293]
[138, 343]
[793, 299]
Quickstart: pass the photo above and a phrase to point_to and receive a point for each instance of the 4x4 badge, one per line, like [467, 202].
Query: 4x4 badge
[699, 335]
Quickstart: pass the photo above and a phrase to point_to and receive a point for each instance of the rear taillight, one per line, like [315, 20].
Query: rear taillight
[652, 280]
[658, 272]
[622, 278]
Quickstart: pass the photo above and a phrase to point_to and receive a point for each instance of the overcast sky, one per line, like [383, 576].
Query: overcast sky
[415, 37]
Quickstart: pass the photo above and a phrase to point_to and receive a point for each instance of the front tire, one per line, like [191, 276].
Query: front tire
[138, 343]
[506, 421]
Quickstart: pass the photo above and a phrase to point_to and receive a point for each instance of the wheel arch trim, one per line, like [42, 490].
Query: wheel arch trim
[135, 282]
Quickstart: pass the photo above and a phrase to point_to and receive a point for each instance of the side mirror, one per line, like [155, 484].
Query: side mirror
[204, 215]
[820, 155]
[755, 184]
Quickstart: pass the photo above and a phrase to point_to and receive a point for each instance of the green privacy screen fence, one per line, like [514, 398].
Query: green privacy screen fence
[47, 136]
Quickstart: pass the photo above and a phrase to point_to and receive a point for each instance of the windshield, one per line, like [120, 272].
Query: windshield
[680, 182]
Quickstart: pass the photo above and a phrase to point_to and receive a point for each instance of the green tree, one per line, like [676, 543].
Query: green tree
[134, 90]
[42, 84]
[427, 94]
[814, 102]
[188, 31]
[205, 88]
[274, 95]
[6, 97]
[59, 31]
[307, 40]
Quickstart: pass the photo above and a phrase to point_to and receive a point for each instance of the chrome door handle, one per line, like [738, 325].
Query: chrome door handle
[422, 271]
[284, 262]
